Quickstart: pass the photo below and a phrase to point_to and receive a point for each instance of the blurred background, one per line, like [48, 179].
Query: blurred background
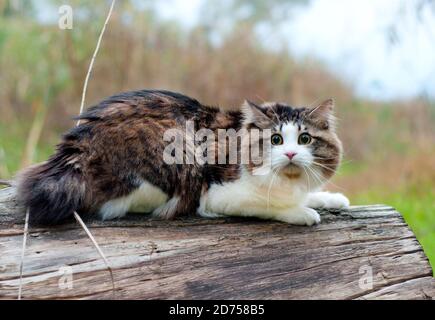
[376, 58]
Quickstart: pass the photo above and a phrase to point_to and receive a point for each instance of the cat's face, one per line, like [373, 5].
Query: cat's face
[303, 141]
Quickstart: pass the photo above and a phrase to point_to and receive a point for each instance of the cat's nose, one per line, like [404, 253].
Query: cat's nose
[290, 155]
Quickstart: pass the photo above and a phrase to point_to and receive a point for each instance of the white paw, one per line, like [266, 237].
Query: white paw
[311, 217]
[327, 200]
[300, 216]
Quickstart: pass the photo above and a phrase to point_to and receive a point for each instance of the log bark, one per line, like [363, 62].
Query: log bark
[365, 252]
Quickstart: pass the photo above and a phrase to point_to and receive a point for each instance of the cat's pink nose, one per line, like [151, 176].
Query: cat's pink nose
[290, 155]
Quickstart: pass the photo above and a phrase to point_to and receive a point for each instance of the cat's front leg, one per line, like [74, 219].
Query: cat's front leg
[327, 200]
[303, 216]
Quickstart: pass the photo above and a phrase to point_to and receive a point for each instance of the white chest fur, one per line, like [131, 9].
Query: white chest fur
[260, 196]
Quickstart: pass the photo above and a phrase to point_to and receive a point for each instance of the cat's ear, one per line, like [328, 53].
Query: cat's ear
[254, 114]
[323, 114]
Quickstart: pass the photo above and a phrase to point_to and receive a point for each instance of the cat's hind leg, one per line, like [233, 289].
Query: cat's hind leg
[168, 210]
[184, 201]
[116, 208]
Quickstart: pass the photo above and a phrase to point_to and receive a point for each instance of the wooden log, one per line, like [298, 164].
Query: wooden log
[365, 252]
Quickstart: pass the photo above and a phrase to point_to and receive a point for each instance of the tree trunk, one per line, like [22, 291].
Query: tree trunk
[366, 252]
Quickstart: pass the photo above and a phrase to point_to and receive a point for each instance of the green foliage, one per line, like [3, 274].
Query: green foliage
[33, 59]
[12, 143]
[13, 8]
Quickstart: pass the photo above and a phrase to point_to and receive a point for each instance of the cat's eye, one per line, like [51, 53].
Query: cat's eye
[304, 138]
[277, 139]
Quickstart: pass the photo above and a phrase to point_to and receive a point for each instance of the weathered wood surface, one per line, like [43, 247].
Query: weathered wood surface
[219, 259]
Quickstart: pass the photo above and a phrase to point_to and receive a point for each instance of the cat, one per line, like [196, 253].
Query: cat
[114, 162]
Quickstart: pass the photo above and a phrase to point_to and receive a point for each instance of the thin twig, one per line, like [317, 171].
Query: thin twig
[82, 104]
[26, 230]
[26, 226]
[91, 65]
[80, 221]
[6, 183]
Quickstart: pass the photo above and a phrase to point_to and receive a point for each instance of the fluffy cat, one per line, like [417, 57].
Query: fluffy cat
[113, 163]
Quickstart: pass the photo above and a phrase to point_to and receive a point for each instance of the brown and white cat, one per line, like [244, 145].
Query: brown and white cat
[114, 163]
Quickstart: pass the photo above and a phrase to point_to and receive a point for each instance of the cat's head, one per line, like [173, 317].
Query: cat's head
[303, 141]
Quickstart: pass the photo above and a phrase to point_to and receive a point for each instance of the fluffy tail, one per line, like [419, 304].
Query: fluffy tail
[52, 191]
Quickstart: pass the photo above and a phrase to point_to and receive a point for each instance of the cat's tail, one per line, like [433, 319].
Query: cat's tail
[52, 191]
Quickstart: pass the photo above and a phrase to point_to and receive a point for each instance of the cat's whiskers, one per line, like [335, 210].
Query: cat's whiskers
[274, 175]
[308, 178]
[333, 158]
[325, 181]
[323, 166]
[316, 176]
[334, 185]
[322, 179]
[322, 158]
[261, 98]
[305, 165]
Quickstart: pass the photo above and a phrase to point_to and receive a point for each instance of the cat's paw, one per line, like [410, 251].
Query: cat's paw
[300, 216]
[327, 200]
